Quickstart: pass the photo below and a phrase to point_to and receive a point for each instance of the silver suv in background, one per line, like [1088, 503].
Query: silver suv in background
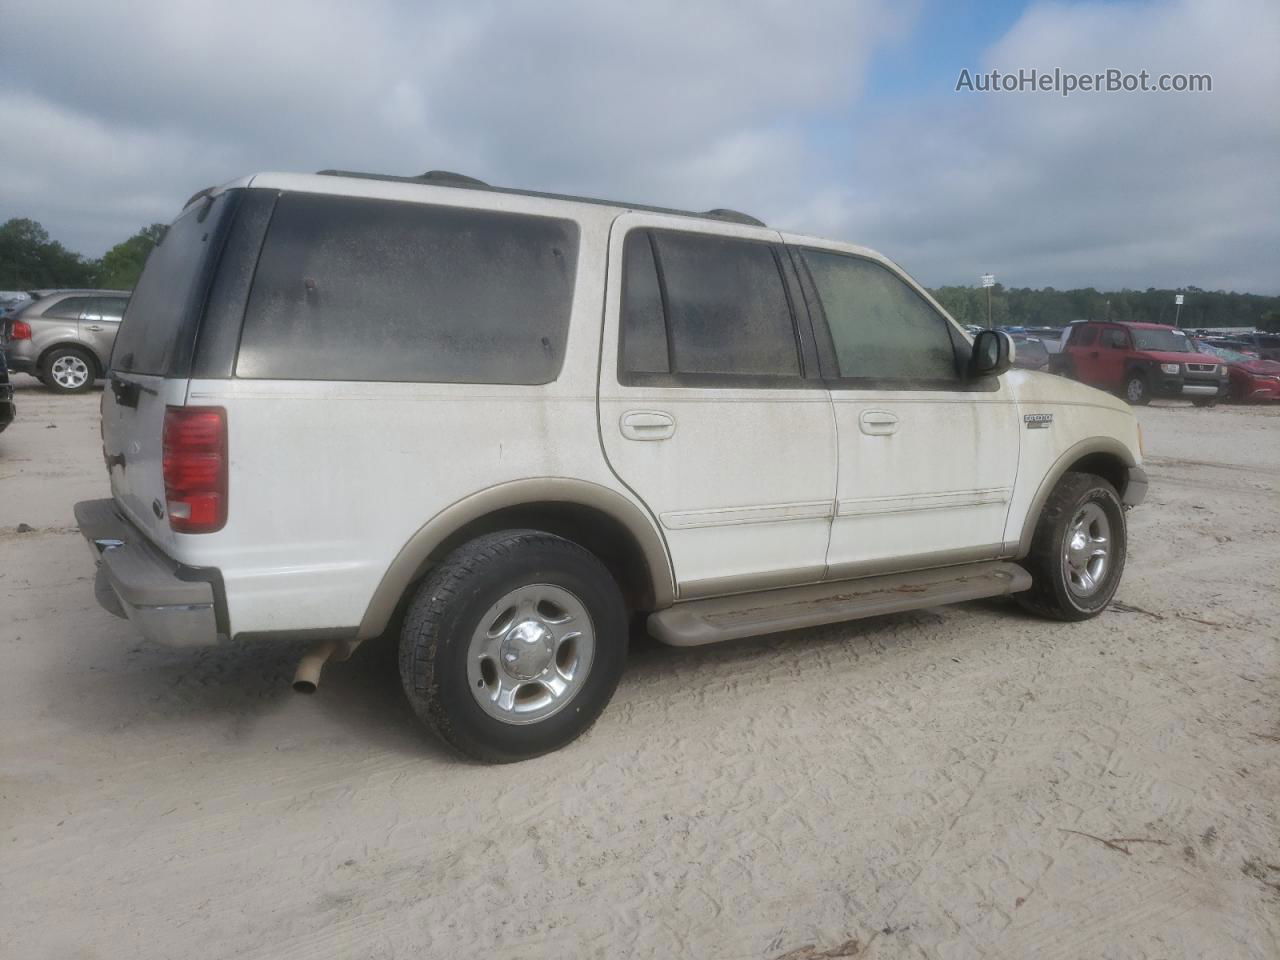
[64, 337]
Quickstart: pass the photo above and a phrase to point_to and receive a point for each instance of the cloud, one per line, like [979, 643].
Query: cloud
[757, 105]
[1102, 189]
[668, 102]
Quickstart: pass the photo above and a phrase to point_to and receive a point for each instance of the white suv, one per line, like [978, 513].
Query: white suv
[504, 424]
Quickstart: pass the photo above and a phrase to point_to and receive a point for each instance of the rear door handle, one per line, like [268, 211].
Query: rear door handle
[878, 423]
[93, 326]
[647, 425]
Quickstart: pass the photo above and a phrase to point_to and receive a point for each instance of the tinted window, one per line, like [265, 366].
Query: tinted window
[1116, 339]
[352, 289]
[726, 307]
[70, 308]
[1084, 336]
[159, 323]
[111, 308]
[644, 327]
[880, 327]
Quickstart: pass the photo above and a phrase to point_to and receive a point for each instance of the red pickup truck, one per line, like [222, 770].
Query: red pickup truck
[1140, 361]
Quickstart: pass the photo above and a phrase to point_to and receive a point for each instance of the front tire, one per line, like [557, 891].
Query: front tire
[1136, 390]
[68, 370]
[1078, 550]
[514, 645]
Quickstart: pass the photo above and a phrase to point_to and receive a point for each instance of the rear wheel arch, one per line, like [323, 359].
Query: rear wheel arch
[616, 530]
[1102, 456]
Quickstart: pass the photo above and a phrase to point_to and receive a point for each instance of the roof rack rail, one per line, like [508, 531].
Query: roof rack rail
[733, 216]
[447, 178]
[442, 178]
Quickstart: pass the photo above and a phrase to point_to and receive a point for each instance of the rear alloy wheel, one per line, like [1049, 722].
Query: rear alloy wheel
[513, 645]
[1135, 390]
[68, 370]
[1078, 551]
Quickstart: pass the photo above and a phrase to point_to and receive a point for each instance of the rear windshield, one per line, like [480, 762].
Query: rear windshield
[378, 290]
[159, 323]
[1164, 341]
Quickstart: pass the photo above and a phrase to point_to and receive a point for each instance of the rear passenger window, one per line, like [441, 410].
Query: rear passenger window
[881, 329]
[1084, 336]
[705, 309]
[70, 308]
[356, 289]
[1116, 339]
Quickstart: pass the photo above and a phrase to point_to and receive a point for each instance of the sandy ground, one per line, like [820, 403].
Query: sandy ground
[957, 782]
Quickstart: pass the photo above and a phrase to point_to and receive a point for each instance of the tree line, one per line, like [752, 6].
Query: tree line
[30, 260]
[1022, 306]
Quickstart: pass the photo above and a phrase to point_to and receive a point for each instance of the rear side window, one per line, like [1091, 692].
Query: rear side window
[159, 323]
[701, 308]
[375, 290]
[1084, 336]
[881, 329]
[71, 308]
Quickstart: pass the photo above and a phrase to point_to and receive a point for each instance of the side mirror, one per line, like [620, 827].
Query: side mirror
[992, 354]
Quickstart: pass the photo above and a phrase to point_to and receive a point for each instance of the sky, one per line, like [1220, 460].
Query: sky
[840, 119]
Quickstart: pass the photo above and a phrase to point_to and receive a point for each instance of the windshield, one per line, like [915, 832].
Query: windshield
[1164, 341]
[1232, 356]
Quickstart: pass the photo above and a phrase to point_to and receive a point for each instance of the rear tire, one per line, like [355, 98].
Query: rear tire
[68, 370]
[1078, 550]
[514, 645]
[1136, 390]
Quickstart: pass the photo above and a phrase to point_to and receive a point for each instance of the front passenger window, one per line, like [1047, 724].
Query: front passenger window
[881, 329]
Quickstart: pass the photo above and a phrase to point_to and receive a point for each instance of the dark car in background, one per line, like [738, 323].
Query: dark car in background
[7, 409]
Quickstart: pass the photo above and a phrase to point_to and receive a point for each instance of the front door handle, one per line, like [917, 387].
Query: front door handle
[877, 423]
[647, 425]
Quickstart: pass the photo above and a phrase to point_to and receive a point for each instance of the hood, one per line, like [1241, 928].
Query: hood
[1034, 386]
[1264, 368]
[1170, 356]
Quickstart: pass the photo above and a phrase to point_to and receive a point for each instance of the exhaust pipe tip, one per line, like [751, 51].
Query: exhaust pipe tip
[307, 677]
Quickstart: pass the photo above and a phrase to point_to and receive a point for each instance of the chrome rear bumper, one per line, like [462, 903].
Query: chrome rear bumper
[136, 580]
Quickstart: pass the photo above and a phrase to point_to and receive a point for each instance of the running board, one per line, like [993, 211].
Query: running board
[695, 622]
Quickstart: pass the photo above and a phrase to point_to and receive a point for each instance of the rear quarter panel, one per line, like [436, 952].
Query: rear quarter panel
[329, 480]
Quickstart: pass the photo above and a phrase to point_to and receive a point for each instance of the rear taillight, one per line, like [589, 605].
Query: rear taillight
[21, 330]
[195, 468]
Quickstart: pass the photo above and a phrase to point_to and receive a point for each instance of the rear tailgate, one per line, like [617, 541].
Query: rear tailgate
[151, 360]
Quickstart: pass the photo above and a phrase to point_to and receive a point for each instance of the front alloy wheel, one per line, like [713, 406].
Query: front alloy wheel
[1078, 550]
[1086, 550]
